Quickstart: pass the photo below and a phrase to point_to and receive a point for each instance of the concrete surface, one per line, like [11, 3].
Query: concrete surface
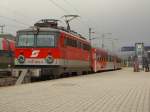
[117, 91]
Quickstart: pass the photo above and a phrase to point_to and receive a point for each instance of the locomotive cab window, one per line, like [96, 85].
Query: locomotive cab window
[26, 40]
[42, 39]
[45, 40]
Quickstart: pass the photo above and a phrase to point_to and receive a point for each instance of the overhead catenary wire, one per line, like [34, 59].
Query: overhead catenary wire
[70, 5]
[66, 11]
[14, 12]
[77, 11]
[58, 6]
[83, 20]
[14, 20]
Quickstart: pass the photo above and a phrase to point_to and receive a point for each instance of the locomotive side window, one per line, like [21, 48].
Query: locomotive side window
[79, 44]
[76, 43]
[70, 42]
[86, 47]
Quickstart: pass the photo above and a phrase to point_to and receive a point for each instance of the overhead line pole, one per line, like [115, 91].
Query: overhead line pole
[2, 29]
[103, 37]
[90, 31]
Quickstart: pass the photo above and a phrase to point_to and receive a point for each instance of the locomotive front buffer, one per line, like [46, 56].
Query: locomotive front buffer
[24, 75]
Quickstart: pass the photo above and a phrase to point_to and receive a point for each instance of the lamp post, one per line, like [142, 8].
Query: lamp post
[112, 43]
[90, 31]
[2, 29]
[103, 37]
[90, 35]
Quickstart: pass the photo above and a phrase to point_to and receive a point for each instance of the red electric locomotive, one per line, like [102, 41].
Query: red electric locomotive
[49, 50]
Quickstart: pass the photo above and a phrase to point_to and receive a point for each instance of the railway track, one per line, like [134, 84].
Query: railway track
[7, 81]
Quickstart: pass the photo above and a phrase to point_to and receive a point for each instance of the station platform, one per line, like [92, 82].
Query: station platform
[114, 91]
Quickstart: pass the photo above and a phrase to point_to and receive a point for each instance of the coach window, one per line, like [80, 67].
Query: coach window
[108, 58]
[98, 58]
[111, 58]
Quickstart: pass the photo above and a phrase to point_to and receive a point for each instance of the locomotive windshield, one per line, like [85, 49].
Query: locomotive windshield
[45, 40]
[26, 40]
[42, 39]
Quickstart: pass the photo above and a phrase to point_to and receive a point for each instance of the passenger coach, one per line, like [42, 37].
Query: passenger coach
[7, 48]
[103, 60]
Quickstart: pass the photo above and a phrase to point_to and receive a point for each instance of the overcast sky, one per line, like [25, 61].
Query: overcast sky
[127, 20]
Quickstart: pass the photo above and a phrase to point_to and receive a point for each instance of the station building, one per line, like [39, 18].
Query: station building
[7, 36]
[128, 52]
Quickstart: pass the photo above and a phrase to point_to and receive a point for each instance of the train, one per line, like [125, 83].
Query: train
[7, 48]
[48, 50]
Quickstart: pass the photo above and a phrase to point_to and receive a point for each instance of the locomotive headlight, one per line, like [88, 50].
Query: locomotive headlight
[21, 59]
[49, 59]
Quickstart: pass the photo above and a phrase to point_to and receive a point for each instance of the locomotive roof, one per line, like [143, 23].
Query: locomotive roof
[41, 29]
[61, 29]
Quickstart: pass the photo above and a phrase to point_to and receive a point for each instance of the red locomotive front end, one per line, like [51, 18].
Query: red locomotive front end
[39, 49]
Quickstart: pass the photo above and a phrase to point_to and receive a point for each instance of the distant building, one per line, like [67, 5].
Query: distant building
[7, 36]
[128, 52]
[132, 48]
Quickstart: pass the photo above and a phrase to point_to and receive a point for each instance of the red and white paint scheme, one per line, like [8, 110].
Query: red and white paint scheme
[99, 61]
[104, 60]
[6, 44]
[52, 50]
[47, 49]
[7, 48]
